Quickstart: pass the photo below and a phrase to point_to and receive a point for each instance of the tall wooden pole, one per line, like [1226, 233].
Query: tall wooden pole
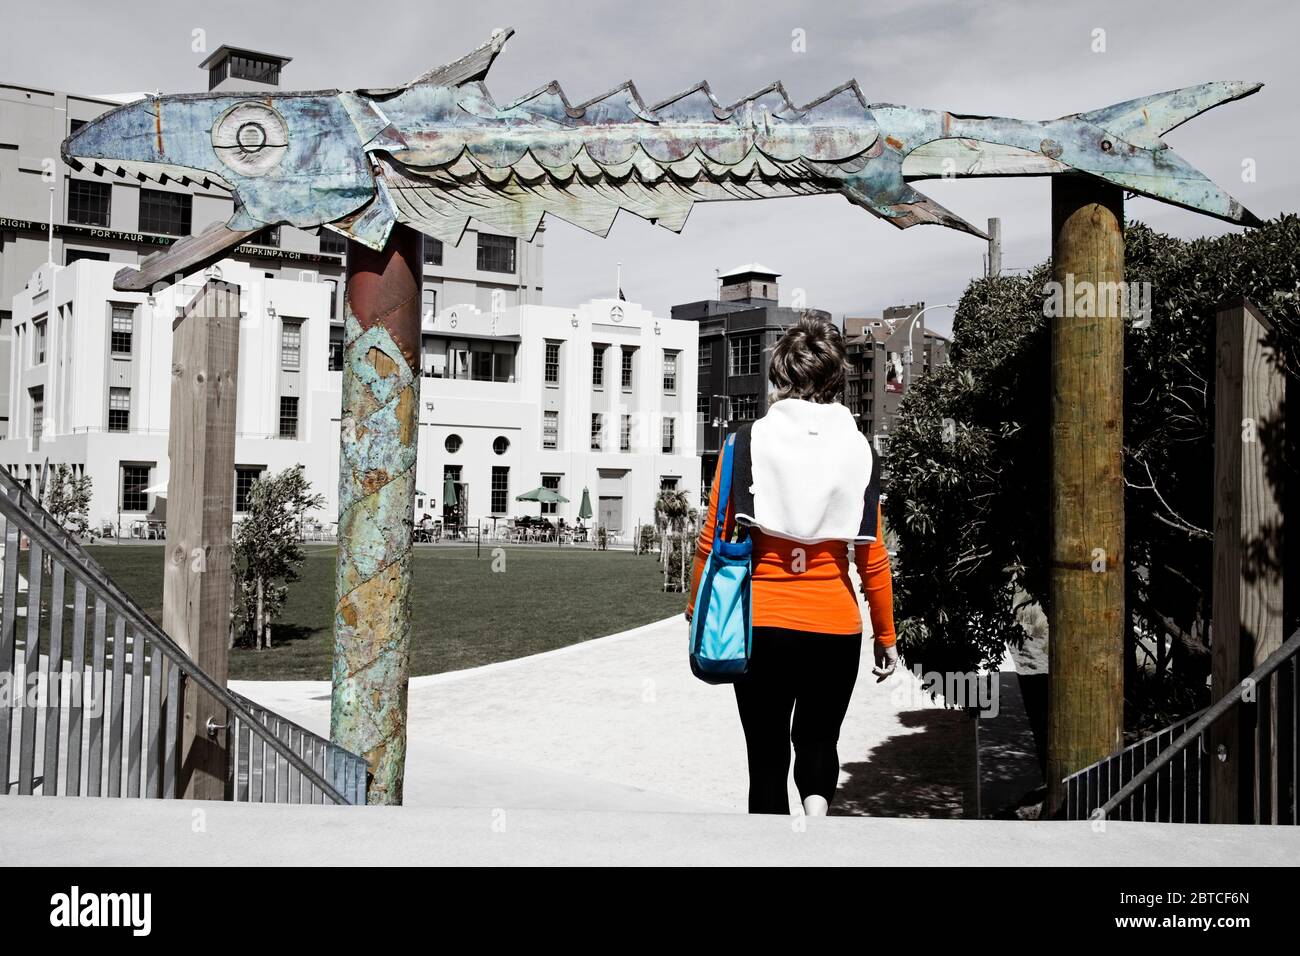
[1086, 612]
[200, 507]
[381, 402]
[995, 247]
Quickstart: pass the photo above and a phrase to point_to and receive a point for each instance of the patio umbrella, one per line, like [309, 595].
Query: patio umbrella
[584, 509]
[545, 495]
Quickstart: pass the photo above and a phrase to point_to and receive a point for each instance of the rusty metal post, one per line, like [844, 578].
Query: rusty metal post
[381, 401]
[1085, 714]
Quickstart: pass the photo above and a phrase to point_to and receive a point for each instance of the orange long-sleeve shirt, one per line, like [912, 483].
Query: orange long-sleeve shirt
[806, 587]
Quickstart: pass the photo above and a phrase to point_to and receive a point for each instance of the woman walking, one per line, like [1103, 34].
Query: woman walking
[809, 492]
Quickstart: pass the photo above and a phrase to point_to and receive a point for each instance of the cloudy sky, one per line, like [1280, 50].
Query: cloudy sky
[1031, 60]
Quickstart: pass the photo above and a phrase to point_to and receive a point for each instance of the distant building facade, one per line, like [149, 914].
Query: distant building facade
[879, 374]
[737, 332]
[599, 397]
[117, 220]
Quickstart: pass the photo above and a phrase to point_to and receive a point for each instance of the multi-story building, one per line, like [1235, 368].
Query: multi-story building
[737, 332]
[599, 397]
[118, 220]
[596, 397]
[878, 373]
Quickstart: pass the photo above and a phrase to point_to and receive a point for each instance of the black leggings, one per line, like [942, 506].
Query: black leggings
[813, 676]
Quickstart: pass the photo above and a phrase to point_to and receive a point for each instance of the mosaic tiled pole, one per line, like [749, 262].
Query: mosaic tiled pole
[372, 614]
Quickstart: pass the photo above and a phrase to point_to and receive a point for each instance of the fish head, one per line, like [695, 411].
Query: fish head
[286, 158]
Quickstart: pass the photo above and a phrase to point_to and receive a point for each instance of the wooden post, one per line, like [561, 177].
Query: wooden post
[380, 421]
[1086, 610]
[1247, 626]
[200, 507]
[995, 247]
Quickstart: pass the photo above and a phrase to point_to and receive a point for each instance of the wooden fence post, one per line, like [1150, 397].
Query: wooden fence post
[197, 582]
[1085, 719]
[1247, 625]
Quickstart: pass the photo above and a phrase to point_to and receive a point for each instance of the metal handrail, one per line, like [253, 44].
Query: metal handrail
[1208, 716]
[16, 502]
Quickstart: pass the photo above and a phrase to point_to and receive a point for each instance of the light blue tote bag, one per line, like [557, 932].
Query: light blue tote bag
[721, 630]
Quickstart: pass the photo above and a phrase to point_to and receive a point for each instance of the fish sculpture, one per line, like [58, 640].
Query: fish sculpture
[438, 152]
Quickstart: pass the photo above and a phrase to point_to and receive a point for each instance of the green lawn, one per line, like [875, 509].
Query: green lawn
[464, 613]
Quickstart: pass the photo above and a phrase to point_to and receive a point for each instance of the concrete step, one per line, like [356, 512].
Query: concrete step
[97, 831]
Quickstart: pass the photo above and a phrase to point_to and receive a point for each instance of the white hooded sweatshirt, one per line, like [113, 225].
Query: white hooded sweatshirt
[814, 475]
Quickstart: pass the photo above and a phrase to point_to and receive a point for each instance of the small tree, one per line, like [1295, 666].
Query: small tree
[672, 508]
[67, 498]
[267, 552]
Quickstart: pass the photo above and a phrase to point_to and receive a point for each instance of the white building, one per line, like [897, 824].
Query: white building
[599, 397]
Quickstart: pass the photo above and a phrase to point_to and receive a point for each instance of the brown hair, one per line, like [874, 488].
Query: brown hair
[808, 361]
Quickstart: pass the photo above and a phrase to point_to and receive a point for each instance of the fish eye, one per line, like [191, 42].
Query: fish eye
[251, 138]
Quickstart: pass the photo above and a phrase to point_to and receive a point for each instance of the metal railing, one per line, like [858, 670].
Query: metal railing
[104, 717]
[1165, 778]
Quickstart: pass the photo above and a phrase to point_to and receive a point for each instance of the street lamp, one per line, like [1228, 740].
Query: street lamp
[907, 350]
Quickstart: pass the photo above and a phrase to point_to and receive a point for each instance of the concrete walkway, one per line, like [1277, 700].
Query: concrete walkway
[620, 723]
[96, 832]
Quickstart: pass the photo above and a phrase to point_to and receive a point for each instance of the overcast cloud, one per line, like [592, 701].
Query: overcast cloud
[1030, 60]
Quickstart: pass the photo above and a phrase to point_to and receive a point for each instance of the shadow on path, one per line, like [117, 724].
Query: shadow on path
[927, 773]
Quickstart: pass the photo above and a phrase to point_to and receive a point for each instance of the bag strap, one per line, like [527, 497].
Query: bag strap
[724, 489]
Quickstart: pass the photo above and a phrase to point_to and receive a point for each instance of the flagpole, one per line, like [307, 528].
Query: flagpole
[618, 282]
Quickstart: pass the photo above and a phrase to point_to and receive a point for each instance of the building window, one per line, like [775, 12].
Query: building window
[38, 416]
[88, 202]
[496, 253]
[245, 68]
[77, 255]
[701, 409]
[334, 297]
[598, 366]
[332, 244]
[119, 409]
[625, 434]
[744, 407]
[245, 475]
[134, 481]
[165, 213]
[288, 416]
[744, 355]
[336, 348]
[627, 368]
[706, 355]
[432, 251]
[452, 444]
[670, 373]
[668, 482]
[553, 483]
[597, 431]
[500, 489]
[669, 435]
[38, 342]
[501, 444]
[429, 303]
[291, 345]
[74, 125]
[268, 238]
[552, 363]
[550, 429]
